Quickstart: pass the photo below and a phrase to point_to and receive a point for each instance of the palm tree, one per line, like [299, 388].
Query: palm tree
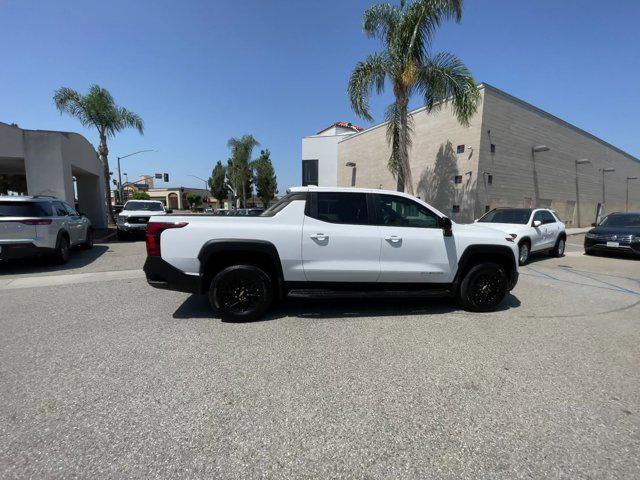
[98, 109]
[406, 32]
[240, 170]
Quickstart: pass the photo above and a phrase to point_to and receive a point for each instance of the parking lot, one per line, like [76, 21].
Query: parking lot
[101, 375]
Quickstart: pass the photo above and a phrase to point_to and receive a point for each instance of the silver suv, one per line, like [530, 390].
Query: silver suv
[32, 226]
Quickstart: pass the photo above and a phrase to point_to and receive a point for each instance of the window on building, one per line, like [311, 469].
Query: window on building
[487, 208]
[493, 148]
[309, 172]
[455, 209]
[460, 149]
[489, 179]
[457, 179]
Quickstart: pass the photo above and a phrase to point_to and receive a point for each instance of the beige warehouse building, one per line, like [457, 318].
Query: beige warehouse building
[512, 154]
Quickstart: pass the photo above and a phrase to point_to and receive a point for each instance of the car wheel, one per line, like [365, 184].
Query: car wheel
[88, 243]
[241, 293]
[589, 252]
[483, 287]
[61, 254]
[558, 249]
[524, 250]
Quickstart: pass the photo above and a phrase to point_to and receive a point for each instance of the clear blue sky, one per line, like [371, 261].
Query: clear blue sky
[200, 72]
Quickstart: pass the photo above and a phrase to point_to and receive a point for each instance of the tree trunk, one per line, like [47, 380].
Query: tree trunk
[103, 151]
[404, 173]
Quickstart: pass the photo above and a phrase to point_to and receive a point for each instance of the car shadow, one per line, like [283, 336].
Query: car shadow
[197, 306]
[78, 259]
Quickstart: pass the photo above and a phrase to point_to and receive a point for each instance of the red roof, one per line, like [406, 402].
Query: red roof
[349, 125]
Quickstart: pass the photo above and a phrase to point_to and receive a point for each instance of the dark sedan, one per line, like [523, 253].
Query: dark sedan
[617, 232]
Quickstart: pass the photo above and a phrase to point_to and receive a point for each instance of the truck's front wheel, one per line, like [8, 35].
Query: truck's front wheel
[483, 287]
[241, 293]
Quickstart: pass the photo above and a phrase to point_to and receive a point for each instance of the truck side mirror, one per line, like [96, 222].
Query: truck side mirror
[168, 211]
[537, 223]
[594, 224]
[446, 225]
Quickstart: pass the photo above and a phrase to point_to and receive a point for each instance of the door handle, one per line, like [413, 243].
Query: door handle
[318, 236]
[393, 238]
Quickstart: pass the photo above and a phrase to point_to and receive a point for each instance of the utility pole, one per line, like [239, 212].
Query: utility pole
[120, 192]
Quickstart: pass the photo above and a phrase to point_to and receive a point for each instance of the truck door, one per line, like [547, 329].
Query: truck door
[414, 249]
[339, 243]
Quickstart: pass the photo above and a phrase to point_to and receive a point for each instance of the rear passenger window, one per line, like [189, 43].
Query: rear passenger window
[338, 207]
[59, 210]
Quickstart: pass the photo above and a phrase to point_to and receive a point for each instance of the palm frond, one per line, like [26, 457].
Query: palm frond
[368, 74]
[445, 77]
[129, 119]
[69, 101]
[380, 21]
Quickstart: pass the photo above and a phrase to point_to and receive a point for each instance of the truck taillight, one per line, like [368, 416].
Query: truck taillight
[37, 221]
[152, 236]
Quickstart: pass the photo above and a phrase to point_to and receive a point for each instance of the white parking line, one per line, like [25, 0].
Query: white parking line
[69, 279]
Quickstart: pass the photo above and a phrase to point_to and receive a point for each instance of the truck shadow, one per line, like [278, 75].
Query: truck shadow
[78, 259]
[197, 306]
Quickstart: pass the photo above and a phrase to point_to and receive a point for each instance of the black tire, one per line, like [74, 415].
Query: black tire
[241, 293]
[61, 255]
[524, 252]
[559, 247]
[88, 242]
[484, 287]
[589, 252]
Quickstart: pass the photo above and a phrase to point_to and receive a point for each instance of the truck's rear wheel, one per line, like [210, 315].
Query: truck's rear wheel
[483, 287]
[241, 293]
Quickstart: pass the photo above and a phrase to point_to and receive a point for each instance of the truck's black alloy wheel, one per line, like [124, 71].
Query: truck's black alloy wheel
[62, 251]
[241, 293]
[483, 287]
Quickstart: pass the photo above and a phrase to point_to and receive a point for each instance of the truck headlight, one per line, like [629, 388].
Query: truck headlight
[121, 219]
[591, 235]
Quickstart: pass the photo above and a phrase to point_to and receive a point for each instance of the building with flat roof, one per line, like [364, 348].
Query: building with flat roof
[512, 154]
[60, 164]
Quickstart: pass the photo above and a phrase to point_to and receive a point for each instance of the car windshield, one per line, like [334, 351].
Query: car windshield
[145, 206]
[621, 220]
[22, 209]
[508, 215]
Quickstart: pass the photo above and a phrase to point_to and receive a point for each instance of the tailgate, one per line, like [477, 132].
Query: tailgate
[17, 228]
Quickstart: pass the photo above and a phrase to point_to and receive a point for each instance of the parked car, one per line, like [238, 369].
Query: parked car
[135, 215]
[321, 241]
[617, 232]
[533, 229]
[38, 226]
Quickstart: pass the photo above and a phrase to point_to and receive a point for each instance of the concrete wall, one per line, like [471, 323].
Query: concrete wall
[433, 159]
[515, 128]
[50, 160]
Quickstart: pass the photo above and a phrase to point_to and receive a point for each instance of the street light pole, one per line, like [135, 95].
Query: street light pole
[629, 178]
[206, 183]
[536, 189]
[120, 192]
[582, 161]
[605, 170]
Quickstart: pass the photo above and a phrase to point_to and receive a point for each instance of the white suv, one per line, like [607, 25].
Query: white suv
[135, 214]
[534, 229]
[32, 226]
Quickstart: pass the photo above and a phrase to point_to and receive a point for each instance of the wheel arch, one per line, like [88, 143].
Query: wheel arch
[217, 254]
[475, 254]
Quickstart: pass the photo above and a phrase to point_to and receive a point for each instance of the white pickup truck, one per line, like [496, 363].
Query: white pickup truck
[328, 242]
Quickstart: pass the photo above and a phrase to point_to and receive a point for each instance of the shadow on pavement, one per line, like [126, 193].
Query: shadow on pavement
[197, 306]
[78, 259]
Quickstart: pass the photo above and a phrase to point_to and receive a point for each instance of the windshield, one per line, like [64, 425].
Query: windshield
[621, 220]
[145, 206]
[508, 215]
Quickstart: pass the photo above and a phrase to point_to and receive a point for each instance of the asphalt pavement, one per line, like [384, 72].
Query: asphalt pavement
[102, 376]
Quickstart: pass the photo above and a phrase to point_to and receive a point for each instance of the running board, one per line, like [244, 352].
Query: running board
[319, 293]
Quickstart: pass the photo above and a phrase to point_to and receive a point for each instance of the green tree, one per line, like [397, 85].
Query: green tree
[239, 168]
[218, 183]
[406, 32]
[98, 109]
[194, 200]
[265, 178]
[140, 196]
